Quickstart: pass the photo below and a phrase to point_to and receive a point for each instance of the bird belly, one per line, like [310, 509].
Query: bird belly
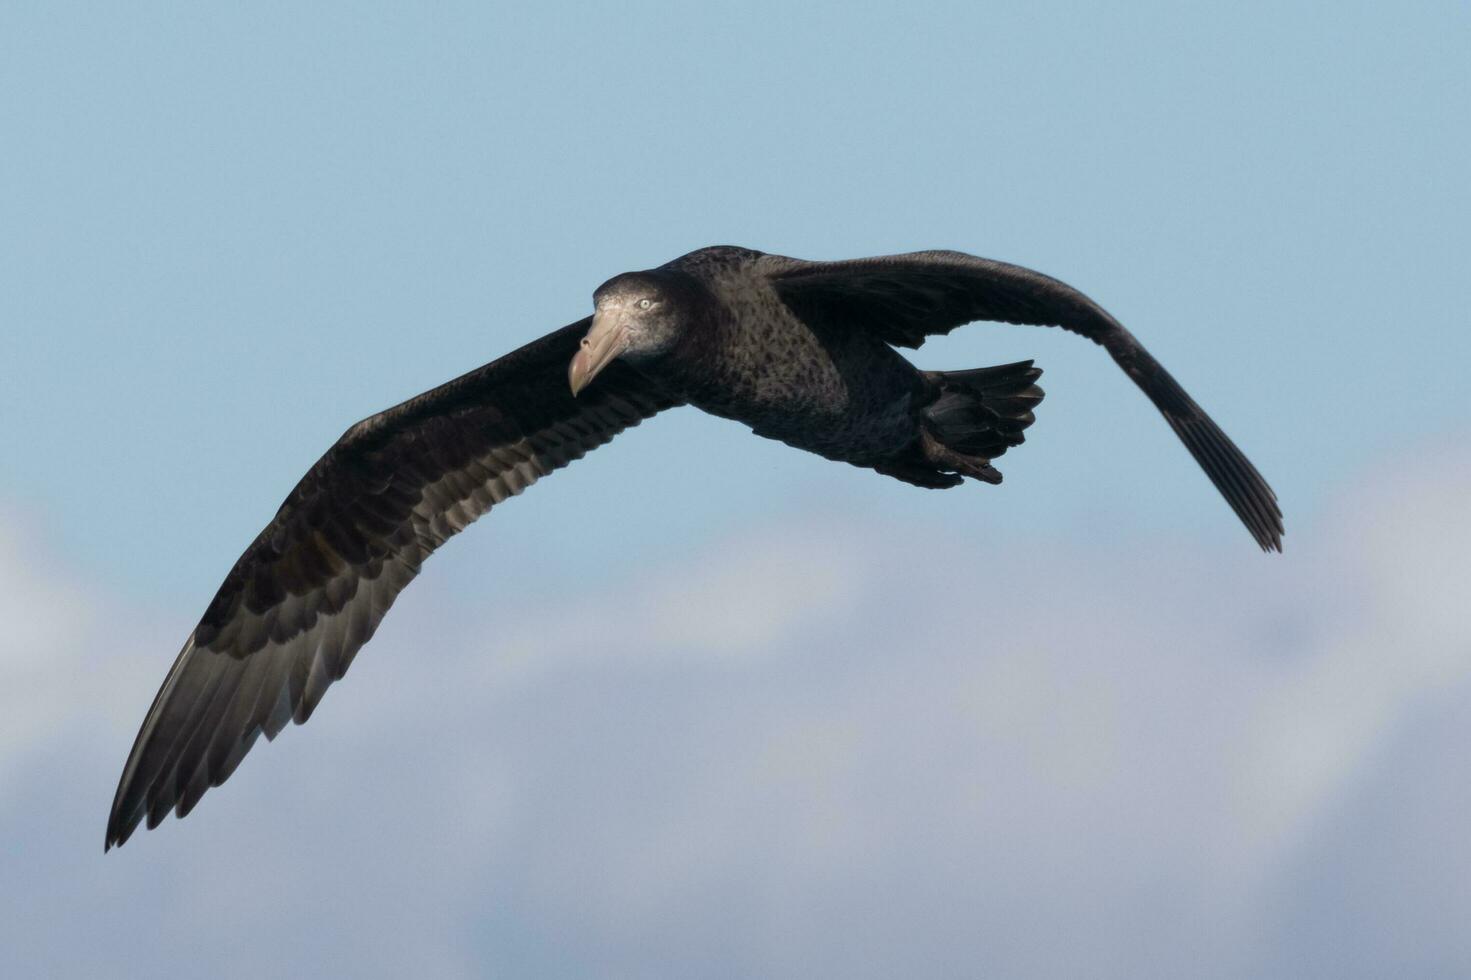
[854, 432]
[860, 437]
[843, 395]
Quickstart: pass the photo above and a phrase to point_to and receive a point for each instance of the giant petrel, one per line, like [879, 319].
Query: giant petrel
[800, 351]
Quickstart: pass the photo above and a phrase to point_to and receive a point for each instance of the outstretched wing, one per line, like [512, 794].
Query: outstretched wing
[313, 586]
[907, 298]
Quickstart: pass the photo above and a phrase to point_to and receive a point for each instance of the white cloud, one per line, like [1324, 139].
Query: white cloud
[46, 681]
[820, 750]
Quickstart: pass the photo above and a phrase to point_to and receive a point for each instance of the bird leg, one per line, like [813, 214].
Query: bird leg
[936, 452]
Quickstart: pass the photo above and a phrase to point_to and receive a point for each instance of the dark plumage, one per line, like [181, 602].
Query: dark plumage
[800, 351]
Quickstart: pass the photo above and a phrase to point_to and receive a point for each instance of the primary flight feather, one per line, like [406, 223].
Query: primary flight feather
[800, 351]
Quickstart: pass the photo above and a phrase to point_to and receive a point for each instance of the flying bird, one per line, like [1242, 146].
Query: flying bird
[803, 352]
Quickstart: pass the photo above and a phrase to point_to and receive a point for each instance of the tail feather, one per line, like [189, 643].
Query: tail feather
[984, 411]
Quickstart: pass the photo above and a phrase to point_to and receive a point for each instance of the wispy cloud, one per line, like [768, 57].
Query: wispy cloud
[821, 748]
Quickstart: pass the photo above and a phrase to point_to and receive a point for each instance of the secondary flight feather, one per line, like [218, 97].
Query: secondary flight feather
[800, 351]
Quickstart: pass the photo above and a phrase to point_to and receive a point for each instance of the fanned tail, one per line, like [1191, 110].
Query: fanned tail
[984, 411]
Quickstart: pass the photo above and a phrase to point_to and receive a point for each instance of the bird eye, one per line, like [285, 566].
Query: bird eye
[644, 304]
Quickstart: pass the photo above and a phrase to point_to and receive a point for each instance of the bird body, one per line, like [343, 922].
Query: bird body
[800, 351]
[842, 394]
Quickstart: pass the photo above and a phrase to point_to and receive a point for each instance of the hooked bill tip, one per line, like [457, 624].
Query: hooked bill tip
[605, 341]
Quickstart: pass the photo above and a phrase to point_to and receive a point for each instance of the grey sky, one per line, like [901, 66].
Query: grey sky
[789, 718]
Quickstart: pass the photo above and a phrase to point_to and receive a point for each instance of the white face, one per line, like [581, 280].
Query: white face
[646, 318]
[631, 320]
[630, 300]
[624, 305]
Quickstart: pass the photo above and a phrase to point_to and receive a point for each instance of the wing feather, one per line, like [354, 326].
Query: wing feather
[313, 587]
[905, 299]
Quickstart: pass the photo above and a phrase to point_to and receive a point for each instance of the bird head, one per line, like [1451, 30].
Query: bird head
[637, 316]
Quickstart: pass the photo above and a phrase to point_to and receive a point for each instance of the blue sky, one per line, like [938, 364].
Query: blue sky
[963, 727]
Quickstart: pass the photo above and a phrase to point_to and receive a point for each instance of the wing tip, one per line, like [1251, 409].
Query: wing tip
[1238, 481]
[119, 829]
[1269, 538]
